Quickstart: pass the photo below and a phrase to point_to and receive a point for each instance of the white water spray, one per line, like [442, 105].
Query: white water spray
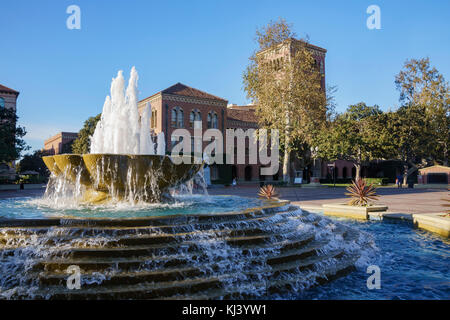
[121, 130]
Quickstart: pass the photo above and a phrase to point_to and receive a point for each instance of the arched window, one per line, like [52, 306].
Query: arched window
[191, 119]
[212, 120]
[194, 116]
[344, 172]
[177, 118]
[180, 119]
[215, 122]
[209, 120]
[174, 118]
[198, 116]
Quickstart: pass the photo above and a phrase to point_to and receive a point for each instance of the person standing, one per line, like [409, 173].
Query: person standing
[398, 181]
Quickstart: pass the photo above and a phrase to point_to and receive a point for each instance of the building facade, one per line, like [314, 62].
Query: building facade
[59, 143]
[8, 100]
[8, 97]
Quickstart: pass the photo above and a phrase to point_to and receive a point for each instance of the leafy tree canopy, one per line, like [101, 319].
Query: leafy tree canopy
[11, 142]
[82, 144]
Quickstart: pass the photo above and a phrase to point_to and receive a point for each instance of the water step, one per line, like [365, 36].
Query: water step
[96, 261]
[152, 290]
[275, 285]
[287, 261]
[137, 291]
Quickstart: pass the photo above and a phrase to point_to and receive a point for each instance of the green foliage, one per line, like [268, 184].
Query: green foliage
[287, 92]
[274, 33]
[11, 142]
[33, 162]
[82, 144]
[357, 135]
[31, 179]
[410, 134]
[422, 86]
[377, 181]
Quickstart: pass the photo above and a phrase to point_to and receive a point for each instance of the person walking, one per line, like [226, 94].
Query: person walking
[398, 181]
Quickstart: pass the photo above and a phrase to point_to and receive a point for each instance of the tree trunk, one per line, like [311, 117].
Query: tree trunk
[405, 174]
[286, 163]
[358, 171]
[287, 141]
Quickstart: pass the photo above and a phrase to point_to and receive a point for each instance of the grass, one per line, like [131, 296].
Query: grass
[344, 185]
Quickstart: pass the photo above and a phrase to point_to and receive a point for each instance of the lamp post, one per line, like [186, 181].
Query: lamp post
[315, 179]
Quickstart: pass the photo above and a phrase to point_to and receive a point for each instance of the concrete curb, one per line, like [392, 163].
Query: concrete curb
[432, 222]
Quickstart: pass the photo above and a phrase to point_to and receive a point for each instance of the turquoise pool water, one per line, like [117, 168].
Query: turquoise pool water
[414, 264]
[199, 204]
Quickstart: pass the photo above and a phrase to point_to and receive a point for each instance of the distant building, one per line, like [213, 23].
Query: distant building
[8, 100]
[60, 143]
[434, 175]
[180, 105]
[284, 51]
[8, 97]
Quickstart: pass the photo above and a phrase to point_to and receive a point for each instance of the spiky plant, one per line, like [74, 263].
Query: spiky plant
[361, 193]
[268, 192]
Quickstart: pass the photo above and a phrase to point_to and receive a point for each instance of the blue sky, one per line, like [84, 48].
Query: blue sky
[64, 75]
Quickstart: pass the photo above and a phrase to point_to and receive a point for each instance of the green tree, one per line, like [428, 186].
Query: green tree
[33, 162]
[82, 144]
[422, 85]
[410, 135]
[357, 135]
[11, 142]
[287, 92]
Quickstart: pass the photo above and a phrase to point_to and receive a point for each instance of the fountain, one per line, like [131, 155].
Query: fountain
[107, 215]
[122, 163]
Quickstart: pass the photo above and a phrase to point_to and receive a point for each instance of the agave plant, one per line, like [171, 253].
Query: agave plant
[361, 193]
[268, 192]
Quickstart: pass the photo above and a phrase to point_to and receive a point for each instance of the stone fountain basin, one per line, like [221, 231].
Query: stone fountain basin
[119, 173]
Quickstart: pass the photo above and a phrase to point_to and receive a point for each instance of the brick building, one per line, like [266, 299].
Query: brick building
[8, 97]
[180, 105]
[60, 143]
[8, 100]
[436, 174]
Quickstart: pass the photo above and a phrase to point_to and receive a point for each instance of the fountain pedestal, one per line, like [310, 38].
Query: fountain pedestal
[104, 177]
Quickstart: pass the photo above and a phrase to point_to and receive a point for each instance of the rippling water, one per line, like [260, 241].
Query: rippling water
[414, 264]
[183, 204]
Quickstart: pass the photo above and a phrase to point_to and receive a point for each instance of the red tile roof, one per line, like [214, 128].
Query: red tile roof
[180, 89]
[8, 90]
[242, 115]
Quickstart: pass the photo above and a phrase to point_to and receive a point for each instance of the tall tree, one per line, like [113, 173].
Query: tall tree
[410, 136]
[287, 91]
[11, 142]
[422, 85]
[82, 144]
[357, 135]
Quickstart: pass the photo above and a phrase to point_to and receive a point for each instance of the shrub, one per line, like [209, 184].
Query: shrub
[361, 193]
[268, 192]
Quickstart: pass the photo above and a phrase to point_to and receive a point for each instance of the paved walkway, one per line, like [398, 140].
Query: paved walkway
[398, 200]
